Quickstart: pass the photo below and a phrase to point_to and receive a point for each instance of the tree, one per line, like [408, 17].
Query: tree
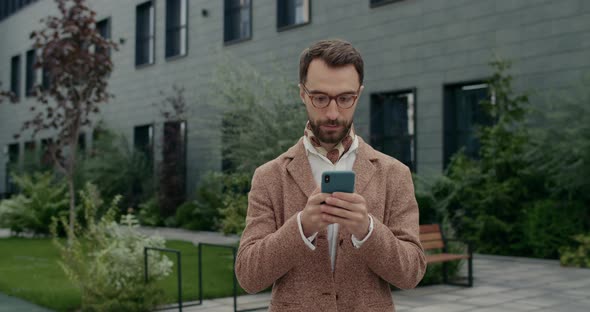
[76, 61]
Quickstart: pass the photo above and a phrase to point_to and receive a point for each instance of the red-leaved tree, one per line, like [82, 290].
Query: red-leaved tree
[77, 62]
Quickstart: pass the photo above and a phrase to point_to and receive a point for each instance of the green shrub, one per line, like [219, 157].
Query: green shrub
[149, 213]
[577, 256]
[486, 198]
[262, 114]
[522, 196]
[42, 197]
[116, 168]
[550, 224]
[105, 259]
[201, 214]
[235, 203]
[221, 203]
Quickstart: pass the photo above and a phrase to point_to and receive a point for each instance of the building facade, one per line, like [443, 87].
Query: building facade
[426, 63]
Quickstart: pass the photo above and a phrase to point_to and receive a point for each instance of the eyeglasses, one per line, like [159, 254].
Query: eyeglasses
[322, 100]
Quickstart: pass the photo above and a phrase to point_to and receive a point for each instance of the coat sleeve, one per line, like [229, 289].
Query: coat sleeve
[394, 251]
[266, 250]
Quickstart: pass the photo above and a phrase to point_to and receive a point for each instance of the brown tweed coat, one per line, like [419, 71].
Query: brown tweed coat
[272, 251]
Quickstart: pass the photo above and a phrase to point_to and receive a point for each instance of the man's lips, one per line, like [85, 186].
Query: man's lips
[331, 127]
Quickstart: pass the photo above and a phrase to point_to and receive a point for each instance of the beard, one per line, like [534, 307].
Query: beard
[330, 136]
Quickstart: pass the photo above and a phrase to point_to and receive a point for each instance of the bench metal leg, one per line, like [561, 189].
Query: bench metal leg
[469, 275]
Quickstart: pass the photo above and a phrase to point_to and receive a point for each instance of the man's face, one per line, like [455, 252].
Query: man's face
[332, 123]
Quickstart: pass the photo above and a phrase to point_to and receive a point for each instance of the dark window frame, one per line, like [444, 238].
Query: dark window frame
[379, 3]
[227, 41]
[149, 153]
[107, 35]
[291, 26]
[15, 75]
[150, 38]
[30, 72]
[177, 28]
[450, 148]
[413, 138]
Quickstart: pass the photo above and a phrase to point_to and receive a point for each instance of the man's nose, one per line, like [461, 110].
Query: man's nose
[332, 110]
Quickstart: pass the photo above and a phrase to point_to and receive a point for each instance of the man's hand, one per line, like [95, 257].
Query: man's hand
[349, 210]
[311, 217]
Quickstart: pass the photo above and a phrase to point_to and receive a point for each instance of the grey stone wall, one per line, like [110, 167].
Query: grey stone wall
[408, 44]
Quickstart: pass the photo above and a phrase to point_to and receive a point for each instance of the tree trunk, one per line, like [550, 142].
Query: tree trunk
[72, 202]
[74, 132]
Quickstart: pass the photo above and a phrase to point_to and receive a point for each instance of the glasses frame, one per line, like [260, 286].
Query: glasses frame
[335, 98]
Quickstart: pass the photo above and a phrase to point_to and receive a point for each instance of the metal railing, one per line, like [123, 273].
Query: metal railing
[180, 304]
[234, 250]
[179, 277]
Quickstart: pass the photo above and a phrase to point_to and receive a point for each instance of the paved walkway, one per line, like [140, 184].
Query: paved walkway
[501, 284]
[12, 304]
[191, 236]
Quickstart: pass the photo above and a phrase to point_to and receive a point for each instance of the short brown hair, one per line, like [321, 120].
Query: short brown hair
[335, 53]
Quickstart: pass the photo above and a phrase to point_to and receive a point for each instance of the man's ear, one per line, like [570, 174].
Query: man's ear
[301, 93]
[361, 90]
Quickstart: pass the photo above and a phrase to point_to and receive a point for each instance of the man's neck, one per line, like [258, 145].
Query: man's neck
[328, 146]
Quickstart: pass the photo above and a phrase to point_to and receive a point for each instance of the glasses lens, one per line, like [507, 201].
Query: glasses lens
[345, 100]
[321, 100]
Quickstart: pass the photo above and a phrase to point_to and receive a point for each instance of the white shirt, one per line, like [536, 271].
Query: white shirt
[319, 164]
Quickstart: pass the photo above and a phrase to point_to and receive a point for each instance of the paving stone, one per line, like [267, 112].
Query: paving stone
[543, 302]
[489, 300]
[445, 307]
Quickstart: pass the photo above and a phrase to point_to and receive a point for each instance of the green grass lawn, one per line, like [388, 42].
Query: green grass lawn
[29, 270]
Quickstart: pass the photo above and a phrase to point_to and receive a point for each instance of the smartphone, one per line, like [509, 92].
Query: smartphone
[338, 181]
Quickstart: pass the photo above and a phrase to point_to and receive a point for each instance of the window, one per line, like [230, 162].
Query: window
[462, 114]
[143, 141]
[393, 125]
[12, 166]
[292, 13]
[45, 79]
[82, 142]
[238, 20]
[15, 75]
[144, 34]
[176, 27]
[31, 76]
[103, 27]
[376, 3]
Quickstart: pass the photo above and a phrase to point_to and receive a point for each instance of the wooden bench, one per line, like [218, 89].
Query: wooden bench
[432, 238]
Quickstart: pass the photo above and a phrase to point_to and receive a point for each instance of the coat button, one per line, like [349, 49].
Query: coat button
[336, 296]
[341, 241]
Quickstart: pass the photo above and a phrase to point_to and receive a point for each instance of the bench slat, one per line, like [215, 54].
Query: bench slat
[430, 237]
[443, 257]
[433, 245]
[429, 228]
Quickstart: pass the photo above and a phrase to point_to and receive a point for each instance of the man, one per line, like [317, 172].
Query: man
[340, 251]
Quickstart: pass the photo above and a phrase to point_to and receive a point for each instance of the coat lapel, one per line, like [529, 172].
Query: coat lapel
[363, 166]
[299, 168]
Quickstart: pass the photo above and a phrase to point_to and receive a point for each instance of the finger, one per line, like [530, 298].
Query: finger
[349, 197]
[318, 198]
[333, 201]
[329, 218]
[336, 211]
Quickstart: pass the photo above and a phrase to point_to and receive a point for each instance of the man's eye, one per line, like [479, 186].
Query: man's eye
[321, 98]
[345, 98]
